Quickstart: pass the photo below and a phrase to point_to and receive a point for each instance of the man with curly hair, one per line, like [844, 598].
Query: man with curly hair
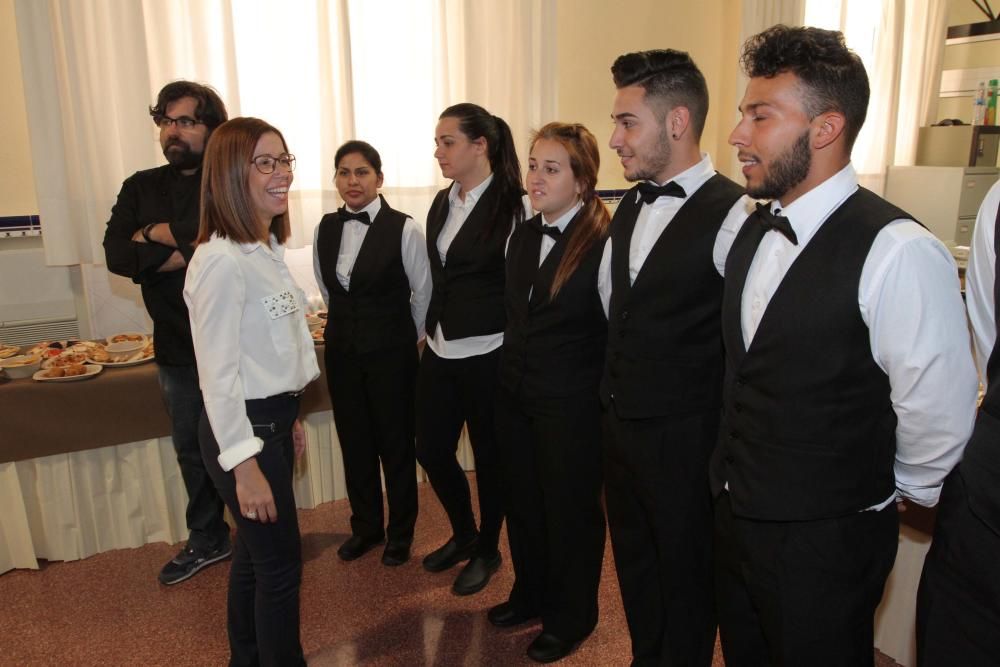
[849, 381]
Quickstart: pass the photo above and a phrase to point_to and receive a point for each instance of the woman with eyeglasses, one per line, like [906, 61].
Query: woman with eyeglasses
[371, 267]
[255, 357]
[467, 229]
[548, 412]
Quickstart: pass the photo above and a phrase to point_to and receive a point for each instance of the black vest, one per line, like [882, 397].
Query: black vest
[553, 349]
[981, 462]
[375, 312]
[808, 430]
[467, 297]
[664, 354]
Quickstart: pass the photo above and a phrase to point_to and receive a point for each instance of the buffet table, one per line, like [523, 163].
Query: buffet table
[89, 466]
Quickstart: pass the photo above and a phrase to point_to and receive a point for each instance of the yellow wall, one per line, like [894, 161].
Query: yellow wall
[17, 187]
[592, 33]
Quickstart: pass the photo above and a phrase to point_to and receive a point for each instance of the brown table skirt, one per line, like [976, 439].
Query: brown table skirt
[117, 406]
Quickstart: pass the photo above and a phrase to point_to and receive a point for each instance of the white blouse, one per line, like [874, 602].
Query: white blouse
[250, 336]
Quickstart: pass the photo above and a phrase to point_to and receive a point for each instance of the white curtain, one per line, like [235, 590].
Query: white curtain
[757, 16]
[902, 46]
[322, 71]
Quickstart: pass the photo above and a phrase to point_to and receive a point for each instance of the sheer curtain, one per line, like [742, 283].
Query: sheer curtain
[902, 45]
[322, 71]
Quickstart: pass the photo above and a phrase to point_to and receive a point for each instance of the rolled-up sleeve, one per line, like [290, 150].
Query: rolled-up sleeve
[215, 295]
[124, 256]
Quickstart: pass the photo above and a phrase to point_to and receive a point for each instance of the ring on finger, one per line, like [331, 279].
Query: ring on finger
[251, 515]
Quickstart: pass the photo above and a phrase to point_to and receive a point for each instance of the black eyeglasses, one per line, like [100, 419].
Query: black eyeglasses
[184, 122]
[266, 164]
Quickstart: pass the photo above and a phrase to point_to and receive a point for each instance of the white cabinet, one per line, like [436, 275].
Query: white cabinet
[944, 199]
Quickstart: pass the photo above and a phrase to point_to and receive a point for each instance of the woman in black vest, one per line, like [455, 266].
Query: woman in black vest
[467, 229]
[371, 267]
[548, 411]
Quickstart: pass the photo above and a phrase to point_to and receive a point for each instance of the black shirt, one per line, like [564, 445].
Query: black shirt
[153, 196]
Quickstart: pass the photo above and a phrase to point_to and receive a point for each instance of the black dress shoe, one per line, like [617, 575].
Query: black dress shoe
[475, 575]
[396, 553]
[506, 615]
[356, 547]
[449, 555]
[549, 648]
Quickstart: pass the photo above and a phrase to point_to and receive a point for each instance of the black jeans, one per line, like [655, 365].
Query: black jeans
[451, 392]
[182, 397]
[263, 604]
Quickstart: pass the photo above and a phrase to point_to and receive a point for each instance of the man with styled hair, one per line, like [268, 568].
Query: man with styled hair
[661, 283]
[849, 381]
[149, 239]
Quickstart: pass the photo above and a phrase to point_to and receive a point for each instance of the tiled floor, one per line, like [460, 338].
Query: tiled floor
[109, 609]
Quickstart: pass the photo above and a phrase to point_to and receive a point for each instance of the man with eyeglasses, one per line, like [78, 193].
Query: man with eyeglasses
[149, 239]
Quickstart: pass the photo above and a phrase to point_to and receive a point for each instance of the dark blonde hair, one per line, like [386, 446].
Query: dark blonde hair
[594, 219]
[226, 207]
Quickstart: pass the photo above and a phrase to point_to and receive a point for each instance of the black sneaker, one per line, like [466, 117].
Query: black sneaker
[190, 561]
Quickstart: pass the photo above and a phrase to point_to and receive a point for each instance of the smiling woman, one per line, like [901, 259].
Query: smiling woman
[255, 357]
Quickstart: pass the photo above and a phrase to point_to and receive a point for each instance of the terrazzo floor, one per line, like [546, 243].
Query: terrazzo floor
[110, 610]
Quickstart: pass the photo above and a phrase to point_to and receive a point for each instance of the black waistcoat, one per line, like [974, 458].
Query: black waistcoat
[553, 349]
[981, 461]
[808, 429]
[467, 298]
[375, 312]
[664, 352]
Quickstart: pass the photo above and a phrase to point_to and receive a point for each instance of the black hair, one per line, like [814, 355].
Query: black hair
[833, 76]
[475, 122]
[209, 108]
[670, 79]
[365, 149]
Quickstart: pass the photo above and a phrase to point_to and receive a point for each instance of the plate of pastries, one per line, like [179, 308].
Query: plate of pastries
[67, 373]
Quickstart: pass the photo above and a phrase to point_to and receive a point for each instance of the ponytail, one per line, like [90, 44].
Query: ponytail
[474, 122]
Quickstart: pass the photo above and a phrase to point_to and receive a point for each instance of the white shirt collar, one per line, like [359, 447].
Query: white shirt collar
[809, 211]
[372, 209]
[565, 218]
[472, 196]
[274, 249]
[691, 178]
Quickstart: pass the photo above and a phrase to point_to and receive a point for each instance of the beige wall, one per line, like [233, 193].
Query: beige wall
[17, 187]
[592, 33]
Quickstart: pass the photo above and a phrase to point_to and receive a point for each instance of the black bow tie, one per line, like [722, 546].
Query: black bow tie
[361, 217]
[548, 230]
[776, 222]
[650, 192]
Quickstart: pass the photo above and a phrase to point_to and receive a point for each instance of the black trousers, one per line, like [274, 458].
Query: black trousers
[958, 602]
[182, 398]
[801, 593]
[660, 519]
[452, 392]
[373, 405]
[266, 572]
[555, 523]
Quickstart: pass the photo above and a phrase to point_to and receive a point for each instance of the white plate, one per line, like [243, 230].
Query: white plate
[122, 364]
[92, 370]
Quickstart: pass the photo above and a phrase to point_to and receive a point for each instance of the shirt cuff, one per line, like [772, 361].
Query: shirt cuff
[921, 495]
[236, 454]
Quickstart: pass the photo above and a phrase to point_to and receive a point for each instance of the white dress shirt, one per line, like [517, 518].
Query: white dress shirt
[654, 218]
[250, 336]
[414, 253]
[910, 300]
[458, 213]
[979, 279]
[547, 241]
